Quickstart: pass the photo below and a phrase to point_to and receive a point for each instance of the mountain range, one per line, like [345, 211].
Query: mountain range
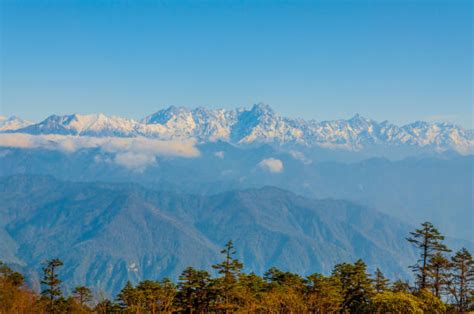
[259, 124]
[110, 233]
[119, 199]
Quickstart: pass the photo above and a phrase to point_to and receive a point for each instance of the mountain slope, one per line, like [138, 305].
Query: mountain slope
[110, 233]
[415, 189]
[12, 123]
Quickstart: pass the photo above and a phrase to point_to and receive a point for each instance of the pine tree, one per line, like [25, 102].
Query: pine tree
[149, 292]
[357, 286]
[324, 294]
[167, 295]
[380, 282]
[52, 283]
[129, 298]
[194, 290]
[438, 272]
[400, 286]
[462, 276]
[15, 278]
[230, 269]
[82, 294]
[429, 241]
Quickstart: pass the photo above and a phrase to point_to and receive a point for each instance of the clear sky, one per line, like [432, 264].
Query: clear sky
[388, 60]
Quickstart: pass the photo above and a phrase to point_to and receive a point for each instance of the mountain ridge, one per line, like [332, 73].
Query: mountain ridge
[110, 234]
[259, 124]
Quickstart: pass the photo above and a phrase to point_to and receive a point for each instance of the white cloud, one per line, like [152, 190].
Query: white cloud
[137, 152]
[219, 154]
[272, 165]
[300, 156]
[134, 161]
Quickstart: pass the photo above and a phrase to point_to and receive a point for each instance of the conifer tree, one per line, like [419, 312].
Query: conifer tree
[129, 298]
[194, 290]
[462, 279]
[15, 278]
[400, 286]
[230, 269]
[380, 282]
[82, 294]
[52, 283]
[324, 294]
[429, 241]
[148, 291]
[438, 273]
[167, 294]
[356, 285]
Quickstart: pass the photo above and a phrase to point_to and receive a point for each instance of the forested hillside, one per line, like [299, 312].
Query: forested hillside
[444, 283]
[111, 233]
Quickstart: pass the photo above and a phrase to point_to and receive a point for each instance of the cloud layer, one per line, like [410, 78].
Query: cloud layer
[272, 165]
[133, 153]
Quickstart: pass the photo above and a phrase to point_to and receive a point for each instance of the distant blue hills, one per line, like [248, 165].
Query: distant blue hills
[110, 233]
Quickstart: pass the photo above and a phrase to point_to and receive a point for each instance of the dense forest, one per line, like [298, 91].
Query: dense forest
[444, 283]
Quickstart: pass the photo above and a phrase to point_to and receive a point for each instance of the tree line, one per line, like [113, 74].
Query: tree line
[444, 284]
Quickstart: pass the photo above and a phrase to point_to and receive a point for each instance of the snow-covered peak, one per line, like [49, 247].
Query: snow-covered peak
[77, 124]
[261, 124]
[164, 116]
[12, 123]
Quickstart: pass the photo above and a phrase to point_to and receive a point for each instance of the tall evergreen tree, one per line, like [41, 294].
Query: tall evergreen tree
[149, 292]
[429, 241]
[194, 290]
[82, 294]
[380, 282]
[129, 298]
[52, 283]
[230, 269]
[462, 276]
[438, 273]
[324, 294]
[356, 284]
[400, 286]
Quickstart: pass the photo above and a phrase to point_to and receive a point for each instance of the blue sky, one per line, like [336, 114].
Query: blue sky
[389, 60]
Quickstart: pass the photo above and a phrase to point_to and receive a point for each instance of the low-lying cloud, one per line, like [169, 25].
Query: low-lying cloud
[272, 165]
[133, 153]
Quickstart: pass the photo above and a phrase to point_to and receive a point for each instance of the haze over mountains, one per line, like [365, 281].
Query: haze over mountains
[110, 233]
[121, 199]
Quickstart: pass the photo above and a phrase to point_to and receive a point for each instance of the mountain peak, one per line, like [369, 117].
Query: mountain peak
[258, 124]
[262, 108]
[164, 115]
[12, 123]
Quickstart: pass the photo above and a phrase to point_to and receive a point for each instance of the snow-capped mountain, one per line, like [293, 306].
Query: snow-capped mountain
[259, 124]
[12, 123]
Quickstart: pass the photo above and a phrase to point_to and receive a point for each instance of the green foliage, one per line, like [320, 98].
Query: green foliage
[15, 278]
[389, 302]
[430, 303]
[429, 241]
[51, 282]
[148, 297]
[82, 294]
[349, 289]
[438, 271]
[357, 288]
[324, 294]
[380, 282]
[229, 269]
[461, 285]
[400, 286]
[196, 290]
